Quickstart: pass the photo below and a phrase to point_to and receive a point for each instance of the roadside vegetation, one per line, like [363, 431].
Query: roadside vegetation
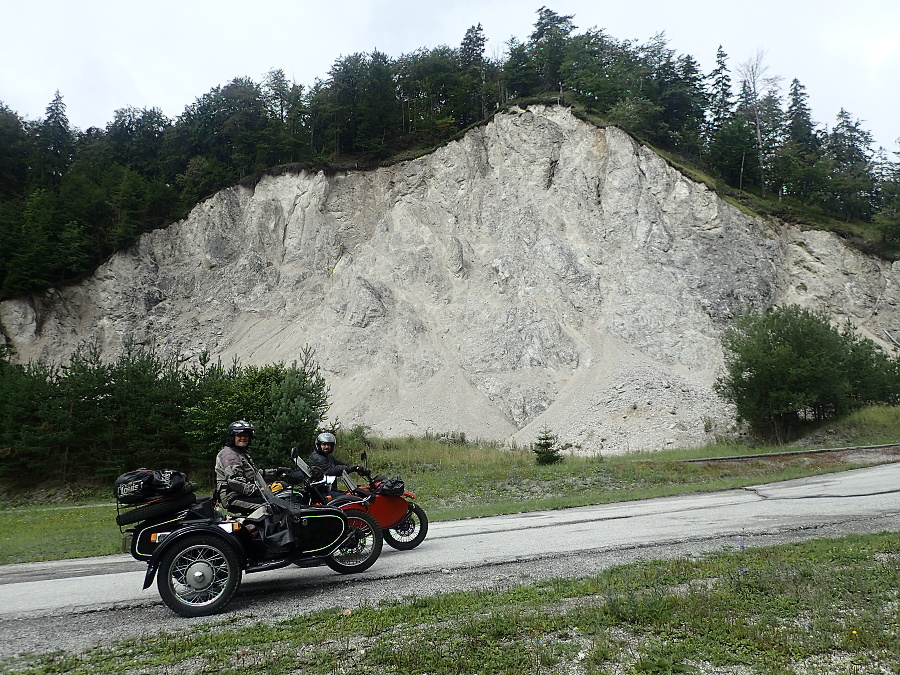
[787, 369]
[82, 423]
[455, 478]
[823, 606]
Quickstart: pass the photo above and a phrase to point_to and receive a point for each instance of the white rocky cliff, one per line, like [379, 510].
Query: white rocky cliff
[540, 272]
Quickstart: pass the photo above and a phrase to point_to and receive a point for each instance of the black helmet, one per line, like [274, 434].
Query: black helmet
[239, 427]
[325, 438]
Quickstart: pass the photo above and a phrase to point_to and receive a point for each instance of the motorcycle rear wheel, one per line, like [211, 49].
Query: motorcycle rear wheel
[410, 532]
[198, 576]
[362, 549]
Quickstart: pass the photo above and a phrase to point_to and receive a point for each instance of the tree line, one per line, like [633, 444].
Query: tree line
[90, 420]
[71, 197]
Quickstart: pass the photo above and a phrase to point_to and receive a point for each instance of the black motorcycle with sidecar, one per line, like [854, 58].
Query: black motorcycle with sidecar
[198, 552]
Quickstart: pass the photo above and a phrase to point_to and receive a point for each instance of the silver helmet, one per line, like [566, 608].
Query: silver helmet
[325, 438]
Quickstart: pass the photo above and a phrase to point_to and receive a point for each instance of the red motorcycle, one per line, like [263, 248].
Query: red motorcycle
[404, 524]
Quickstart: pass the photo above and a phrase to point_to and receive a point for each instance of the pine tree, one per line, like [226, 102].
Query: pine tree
[471, 50]
[520, 75]
[377, 107]
[546, 448]
[797, 163]
[547, 43]
[800, 127]
[54, 143]
[848, 149]
[720, 97]
[472, 76]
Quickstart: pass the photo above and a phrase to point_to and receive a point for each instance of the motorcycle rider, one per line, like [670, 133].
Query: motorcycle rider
[236, 485]
[323, 458]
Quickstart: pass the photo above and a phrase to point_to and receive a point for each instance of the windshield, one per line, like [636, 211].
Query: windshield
[303, 466]
[349, 482]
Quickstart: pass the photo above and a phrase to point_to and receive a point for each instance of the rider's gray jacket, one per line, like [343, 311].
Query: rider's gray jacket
[235, 476]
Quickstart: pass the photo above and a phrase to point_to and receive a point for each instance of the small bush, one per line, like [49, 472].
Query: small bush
[546, 448]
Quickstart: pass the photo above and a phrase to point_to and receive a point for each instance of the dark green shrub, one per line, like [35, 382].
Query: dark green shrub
[546, 448]
[790, 365]
[90, 420]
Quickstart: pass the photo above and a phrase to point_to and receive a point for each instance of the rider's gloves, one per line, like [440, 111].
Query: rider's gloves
[242, 487]
[273, 474]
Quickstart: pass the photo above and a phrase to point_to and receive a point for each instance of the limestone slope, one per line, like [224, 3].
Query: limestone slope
[540, 272]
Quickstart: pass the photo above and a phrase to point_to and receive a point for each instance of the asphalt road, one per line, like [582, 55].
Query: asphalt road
[77, 604]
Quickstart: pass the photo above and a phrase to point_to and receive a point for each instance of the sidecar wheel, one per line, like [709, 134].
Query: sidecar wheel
[410, 532]
[361, 551]
[198, 576]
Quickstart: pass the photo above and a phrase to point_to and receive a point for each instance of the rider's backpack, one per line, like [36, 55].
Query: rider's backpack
[134, 487]
[390, 487]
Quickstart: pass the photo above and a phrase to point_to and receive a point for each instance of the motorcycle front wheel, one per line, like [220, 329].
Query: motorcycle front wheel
[363, 546]
[198, 576]
[409, 532]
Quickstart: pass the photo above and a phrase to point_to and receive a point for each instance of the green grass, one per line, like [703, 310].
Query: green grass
[454, 479]
[822, 606]
[55, 532]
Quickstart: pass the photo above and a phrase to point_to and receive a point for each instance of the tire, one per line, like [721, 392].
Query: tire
[363, 548]
[155, 509]
[410, 532]
[198, 575]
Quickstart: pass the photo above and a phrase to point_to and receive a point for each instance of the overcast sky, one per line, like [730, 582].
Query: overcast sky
[103, 55]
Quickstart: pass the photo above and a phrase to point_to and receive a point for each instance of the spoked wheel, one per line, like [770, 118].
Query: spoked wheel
[410, 532]
[362, 548]
[198, 576]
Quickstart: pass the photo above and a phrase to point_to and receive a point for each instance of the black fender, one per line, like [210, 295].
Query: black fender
[181, 533]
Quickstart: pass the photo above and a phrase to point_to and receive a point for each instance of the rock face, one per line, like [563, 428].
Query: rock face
[538, 273]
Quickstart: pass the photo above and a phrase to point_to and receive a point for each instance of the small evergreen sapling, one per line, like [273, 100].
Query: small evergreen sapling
[546, 448]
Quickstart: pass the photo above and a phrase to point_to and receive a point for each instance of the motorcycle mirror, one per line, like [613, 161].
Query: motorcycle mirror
[294, 452]
[363, 457]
